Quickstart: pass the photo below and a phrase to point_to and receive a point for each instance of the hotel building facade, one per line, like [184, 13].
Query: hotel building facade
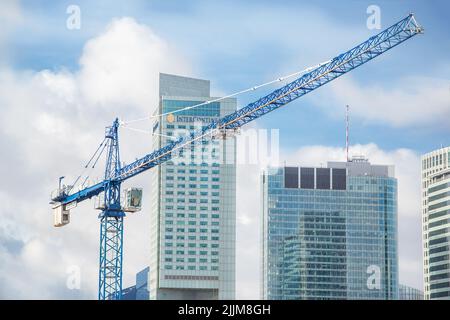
[436, 223]
[193, 196]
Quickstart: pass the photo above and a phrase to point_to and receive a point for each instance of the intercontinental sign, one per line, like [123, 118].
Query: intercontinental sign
[194, 119]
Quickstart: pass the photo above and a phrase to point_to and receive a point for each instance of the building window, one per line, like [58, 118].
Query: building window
[307, 178]
[323, 178]
[339, 179]
[291, 177]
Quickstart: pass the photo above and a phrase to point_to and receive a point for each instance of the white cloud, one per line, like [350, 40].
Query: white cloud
[414, 101]
[50, 123]
[119, 65]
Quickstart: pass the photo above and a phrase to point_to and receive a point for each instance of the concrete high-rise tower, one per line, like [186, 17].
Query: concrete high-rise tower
[193, 214]
[436, 223]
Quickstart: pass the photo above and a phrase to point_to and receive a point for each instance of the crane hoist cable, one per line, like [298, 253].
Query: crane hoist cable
[86, 166]
[253, 88]
[200, 134]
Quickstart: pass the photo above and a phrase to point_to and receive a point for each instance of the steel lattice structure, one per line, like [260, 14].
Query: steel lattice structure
[111, 218]
[111, 223]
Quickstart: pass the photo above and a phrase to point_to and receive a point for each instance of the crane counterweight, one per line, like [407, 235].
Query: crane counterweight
[61, 216]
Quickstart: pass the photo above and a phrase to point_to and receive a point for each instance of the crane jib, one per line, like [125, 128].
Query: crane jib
[323, 74]
[334, 68]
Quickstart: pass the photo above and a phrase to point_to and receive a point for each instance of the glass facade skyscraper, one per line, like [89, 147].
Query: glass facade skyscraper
[193, 214]
[409, 293]
[142, 292]
[436, 223]
[330, 233]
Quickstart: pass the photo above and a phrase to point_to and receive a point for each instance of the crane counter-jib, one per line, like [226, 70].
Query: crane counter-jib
[84, 194]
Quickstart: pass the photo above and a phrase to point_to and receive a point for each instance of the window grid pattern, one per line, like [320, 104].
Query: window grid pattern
[435, 223]
[318, 244]
[195, 212]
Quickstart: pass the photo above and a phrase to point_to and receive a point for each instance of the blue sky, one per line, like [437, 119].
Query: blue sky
[226, 42]
[57, 84]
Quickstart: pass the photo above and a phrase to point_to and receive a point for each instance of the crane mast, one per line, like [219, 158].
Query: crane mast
[111, 222]
[112, 214]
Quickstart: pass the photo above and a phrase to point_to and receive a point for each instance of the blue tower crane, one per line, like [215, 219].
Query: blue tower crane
[113, 212]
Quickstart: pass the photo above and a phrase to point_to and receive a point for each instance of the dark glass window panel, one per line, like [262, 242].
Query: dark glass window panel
[440, 276]
[440, 285]
[322, 178]
[307, 178]
[438, 240]
[339, 179]
[438, 214]
[439, 249]
[439, 187]
[440, 294]
[291, 177]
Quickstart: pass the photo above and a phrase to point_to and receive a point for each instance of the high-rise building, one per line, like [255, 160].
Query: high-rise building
[436, 223]
[409, 293]
[330, 233]
[193, 196]
[142, 292]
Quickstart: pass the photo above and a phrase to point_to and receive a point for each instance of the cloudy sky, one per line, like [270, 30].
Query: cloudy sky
[59, 88]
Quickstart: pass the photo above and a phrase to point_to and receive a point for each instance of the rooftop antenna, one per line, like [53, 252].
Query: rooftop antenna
[346, 132]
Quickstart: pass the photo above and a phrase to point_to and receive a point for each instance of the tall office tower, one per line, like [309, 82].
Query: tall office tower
[436, 223]
[140, 290]
[193, 196]
[409, 293]
[330, 233]
[142, 284]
